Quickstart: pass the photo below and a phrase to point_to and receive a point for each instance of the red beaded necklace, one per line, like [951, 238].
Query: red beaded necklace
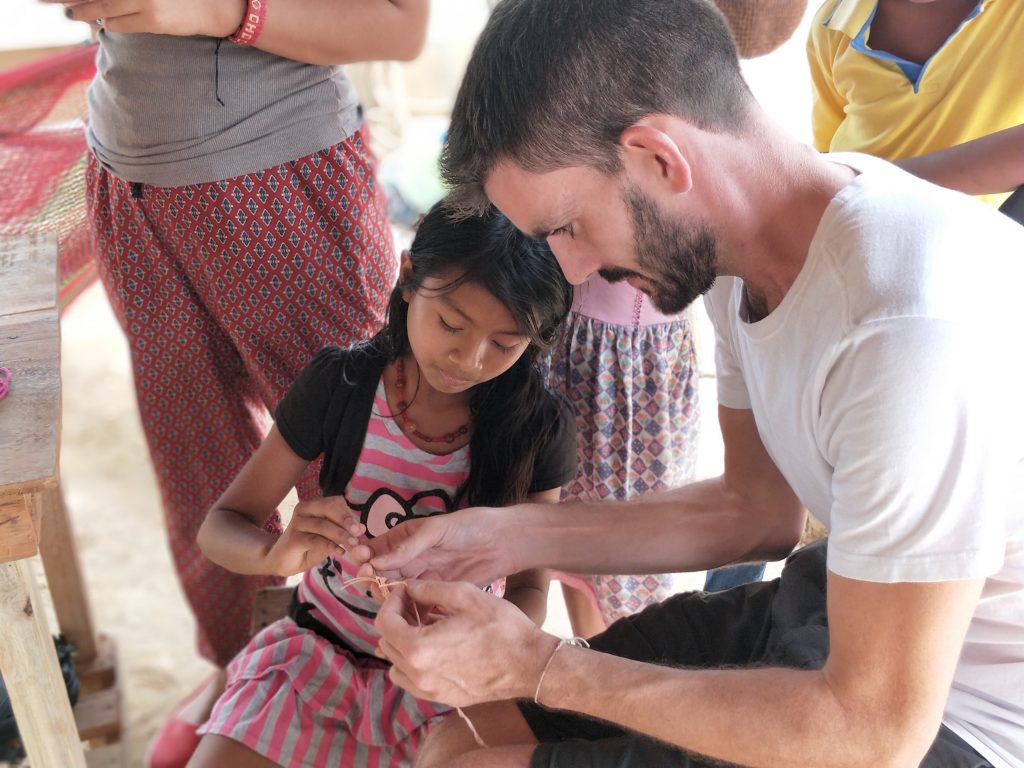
[409, 424]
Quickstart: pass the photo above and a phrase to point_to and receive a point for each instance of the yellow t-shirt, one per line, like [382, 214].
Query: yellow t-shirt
[873, 102]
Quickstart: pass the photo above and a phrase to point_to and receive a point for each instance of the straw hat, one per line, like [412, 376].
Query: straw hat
[761, 26]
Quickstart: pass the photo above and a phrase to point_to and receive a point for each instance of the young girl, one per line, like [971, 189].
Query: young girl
[442, 409]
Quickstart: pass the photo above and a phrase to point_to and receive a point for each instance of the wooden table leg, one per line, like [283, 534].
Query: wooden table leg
[64, 575]
[28, 661]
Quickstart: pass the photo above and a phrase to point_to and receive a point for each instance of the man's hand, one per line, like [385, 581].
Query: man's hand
[462, 546]
[455, 644]
[213, 18]
[316, 530]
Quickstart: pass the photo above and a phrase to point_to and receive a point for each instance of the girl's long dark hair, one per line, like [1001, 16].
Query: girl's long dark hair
[512, 413]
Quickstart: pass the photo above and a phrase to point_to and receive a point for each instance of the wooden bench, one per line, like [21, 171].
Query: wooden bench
[33, 520]
[269, 605]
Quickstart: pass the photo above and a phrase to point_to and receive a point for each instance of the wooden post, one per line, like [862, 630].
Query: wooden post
[18, 537]
[29, 437]
[32, 674]
[64, 575]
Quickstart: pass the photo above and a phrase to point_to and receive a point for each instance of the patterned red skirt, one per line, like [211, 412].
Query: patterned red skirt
[225, 290]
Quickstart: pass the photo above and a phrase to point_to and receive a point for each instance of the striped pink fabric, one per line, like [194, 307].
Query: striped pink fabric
[298, 700]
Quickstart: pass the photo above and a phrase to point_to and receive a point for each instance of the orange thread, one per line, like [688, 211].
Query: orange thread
[382, 584]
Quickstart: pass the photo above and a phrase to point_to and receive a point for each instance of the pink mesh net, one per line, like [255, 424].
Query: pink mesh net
[42, 159]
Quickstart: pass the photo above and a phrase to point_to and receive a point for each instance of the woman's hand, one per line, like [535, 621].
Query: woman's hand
[316, 530]
[213, 18]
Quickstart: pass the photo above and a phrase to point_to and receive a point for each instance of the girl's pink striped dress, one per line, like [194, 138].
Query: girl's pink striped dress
[298, 699]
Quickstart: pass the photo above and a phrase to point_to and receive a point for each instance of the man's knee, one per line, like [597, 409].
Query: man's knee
[499, 724]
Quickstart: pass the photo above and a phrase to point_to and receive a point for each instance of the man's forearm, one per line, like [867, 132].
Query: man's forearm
[700, 526]
[755, 717]
[877, 701]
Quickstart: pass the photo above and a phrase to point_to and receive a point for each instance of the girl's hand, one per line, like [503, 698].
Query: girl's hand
[316, 530]
[213, 18]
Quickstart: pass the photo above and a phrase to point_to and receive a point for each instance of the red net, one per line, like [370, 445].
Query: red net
[42, 159]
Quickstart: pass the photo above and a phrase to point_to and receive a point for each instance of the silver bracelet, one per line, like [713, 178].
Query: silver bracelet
[579, 642]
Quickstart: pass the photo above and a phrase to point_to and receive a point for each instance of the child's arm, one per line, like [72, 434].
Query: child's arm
[528, 590]
[984, 166]
[233, 536]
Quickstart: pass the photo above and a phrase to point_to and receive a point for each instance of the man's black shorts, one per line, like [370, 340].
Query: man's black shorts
[782, 622]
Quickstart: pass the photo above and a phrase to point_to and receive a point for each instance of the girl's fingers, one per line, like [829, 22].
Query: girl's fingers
[321, 527]
[299, 550]
[318, 547]
[354, 528]
[336, 509]
[360, 553]
[304, 551]
[333, 508]
[356, 531]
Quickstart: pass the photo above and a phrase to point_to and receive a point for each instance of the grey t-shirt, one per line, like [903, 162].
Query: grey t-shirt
[157, 117]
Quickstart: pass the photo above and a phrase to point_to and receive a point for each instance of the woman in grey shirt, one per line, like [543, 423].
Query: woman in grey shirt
[239, 229]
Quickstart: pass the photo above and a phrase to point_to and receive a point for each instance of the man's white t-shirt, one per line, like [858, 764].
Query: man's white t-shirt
[888, 387]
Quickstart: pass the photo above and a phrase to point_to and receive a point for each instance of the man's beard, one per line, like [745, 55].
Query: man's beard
[677, 261]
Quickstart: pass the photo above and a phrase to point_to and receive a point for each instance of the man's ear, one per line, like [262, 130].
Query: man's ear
[652, 154]
[404, 273]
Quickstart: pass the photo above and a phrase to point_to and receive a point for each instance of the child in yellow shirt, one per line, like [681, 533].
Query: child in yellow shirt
[901, 78]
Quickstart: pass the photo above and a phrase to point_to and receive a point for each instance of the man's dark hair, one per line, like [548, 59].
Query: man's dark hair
[554, 83]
